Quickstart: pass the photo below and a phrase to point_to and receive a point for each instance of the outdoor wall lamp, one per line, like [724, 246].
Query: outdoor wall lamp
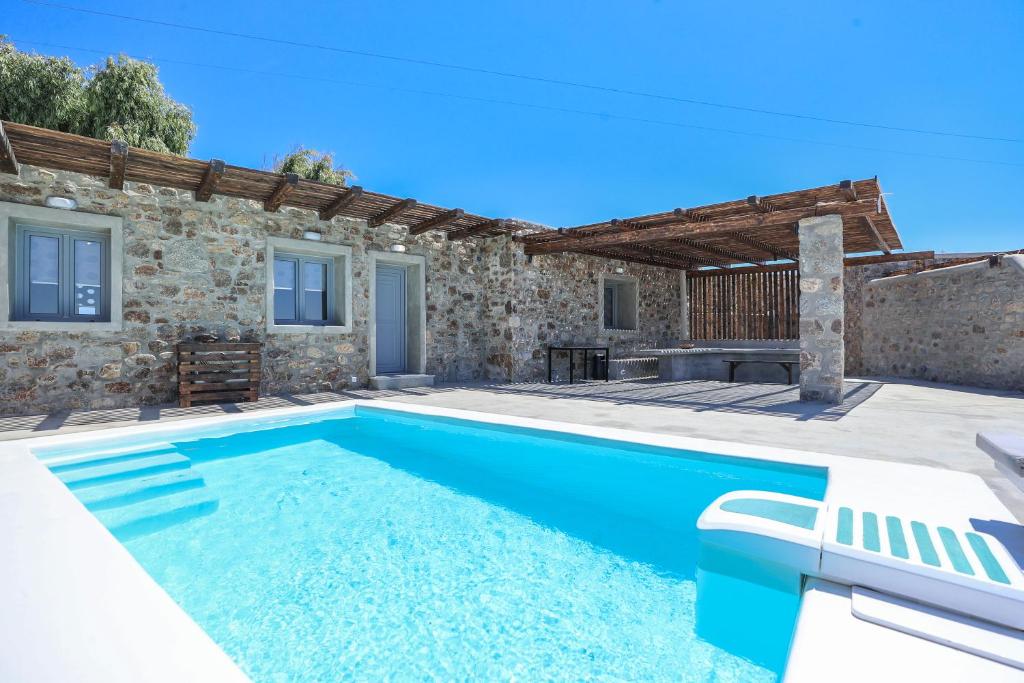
[397, 248]
[61, 203]
[312, 235]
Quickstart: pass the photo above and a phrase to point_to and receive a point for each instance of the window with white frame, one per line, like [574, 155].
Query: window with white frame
[303, 290]
[60, 275]
[618, 303]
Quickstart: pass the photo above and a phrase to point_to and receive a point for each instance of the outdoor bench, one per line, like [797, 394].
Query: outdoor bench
[787, 364]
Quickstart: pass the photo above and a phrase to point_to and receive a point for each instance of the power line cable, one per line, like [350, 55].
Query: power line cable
[518, 76]
[531, 105]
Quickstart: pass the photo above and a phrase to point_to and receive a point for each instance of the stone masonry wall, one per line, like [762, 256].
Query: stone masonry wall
[555, 300]
[963, 325]
[193, 267]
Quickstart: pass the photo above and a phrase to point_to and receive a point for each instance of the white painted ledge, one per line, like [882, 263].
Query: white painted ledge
[75, 605]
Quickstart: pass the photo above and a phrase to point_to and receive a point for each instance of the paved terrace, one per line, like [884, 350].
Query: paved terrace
[902, 421]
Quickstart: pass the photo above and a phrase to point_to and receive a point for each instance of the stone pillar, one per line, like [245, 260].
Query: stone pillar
[821, 309]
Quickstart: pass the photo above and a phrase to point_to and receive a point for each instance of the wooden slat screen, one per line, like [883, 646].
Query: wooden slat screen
[763, 305]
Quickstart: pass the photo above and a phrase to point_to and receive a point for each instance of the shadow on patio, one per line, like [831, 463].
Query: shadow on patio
[697, 395]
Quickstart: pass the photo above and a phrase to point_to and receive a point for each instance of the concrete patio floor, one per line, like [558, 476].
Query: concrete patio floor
[896, 420]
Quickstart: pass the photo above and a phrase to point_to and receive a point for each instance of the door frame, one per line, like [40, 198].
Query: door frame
[415, 308]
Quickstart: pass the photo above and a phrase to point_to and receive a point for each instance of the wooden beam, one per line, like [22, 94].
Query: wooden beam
[118, 163]
[436, 222]
[775, 251]
[760, 205]
[211, 177]
[784, 217]
[341, 203]
[8, 162]
[848, 190]
[638, 256]
[717, 251]
[847, 262]
[873, 233]
[284, 188]
[473, 231]
[391, 213]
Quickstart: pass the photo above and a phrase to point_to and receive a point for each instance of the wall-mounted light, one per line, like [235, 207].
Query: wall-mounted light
[61, 203]
[312, 235]
[619, 270]
[397, 248]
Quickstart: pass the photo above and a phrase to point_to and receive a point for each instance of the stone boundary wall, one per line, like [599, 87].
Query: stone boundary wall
[192, 267]
[962, 325]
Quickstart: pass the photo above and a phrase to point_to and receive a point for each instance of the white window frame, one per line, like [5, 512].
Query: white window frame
[111, 227]
[341, 255]
[623, 285]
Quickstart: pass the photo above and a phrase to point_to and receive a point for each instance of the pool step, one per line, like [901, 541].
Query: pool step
[145, 517]
[95, 475]
[129, 491]
[106, 457]
[945, 563]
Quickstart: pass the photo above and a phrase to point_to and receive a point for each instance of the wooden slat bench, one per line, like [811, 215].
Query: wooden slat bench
[787, 364]
[218, 372]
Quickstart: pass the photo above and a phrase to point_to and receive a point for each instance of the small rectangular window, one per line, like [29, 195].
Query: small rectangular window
[60, 275]
[619, 299]
[303, 290]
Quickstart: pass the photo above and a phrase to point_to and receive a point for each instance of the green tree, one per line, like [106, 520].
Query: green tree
[123, 99]
[41, 91]
[312, 165]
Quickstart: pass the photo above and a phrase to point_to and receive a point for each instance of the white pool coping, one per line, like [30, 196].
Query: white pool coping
[75, 605]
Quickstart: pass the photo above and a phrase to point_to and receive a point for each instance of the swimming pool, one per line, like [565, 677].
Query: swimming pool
[367, 543]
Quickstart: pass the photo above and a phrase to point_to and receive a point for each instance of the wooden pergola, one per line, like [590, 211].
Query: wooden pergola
[757, 232]
[119, 163]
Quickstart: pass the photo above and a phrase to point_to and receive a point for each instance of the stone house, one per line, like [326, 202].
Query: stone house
[478, 309]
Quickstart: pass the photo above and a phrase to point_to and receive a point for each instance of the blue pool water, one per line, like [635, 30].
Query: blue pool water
[375, 544]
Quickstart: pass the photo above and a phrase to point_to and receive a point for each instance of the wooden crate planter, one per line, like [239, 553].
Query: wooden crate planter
[218, 372]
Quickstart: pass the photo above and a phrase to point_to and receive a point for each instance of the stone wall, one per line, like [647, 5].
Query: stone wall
[193, 267]
[534, 303]
[963, 325]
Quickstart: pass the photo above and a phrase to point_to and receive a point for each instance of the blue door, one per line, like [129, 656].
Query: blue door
[390, 319]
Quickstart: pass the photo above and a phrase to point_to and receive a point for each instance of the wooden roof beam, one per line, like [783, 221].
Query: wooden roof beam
[873, 233]
[718, 251]
[284, 188]
[118, 163]
[775, 251]
[8, 162]
[211, 178]
[786, 217]
[437, 221]
[636, 256]
[391, 213]
[350, 197]
[848, 190]
[474, 230]
[760, 205]
[847, 262]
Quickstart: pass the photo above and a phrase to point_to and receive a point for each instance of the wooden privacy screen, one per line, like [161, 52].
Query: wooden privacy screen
[763, 305]
[218, 372]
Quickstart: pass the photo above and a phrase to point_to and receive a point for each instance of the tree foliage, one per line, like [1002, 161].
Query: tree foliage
[312, 165]
[123, 99]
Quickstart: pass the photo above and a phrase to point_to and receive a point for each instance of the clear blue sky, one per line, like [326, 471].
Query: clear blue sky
[942, 66]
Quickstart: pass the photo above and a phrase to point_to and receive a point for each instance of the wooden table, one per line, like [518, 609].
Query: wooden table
[586, 354]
